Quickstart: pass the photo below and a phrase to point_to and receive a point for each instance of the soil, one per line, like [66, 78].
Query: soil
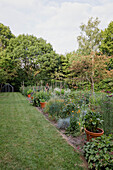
[76, 142]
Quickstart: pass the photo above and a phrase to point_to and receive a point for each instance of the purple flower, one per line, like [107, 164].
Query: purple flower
[108, 92]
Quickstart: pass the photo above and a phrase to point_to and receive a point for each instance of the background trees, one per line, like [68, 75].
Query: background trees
[30, 59]
[106, 46]
[90, 37]
[5, 36]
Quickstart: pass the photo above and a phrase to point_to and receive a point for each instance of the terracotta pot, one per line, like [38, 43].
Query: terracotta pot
[91, 135]
[43, 104]
[29, 95]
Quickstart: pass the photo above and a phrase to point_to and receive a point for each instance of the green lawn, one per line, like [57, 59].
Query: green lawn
[28, 141]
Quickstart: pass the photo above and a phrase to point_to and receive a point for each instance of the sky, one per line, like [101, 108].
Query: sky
[56, 21]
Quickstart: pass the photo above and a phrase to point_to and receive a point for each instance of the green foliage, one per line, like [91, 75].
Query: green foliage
[68, 109]
[106, 46]
[25, 89]
[54, 107]
[42, 100]
[5, 36]
[90, 37]
[106, 109]
[74, 126]
[43, 95]
[29, 91]
[99, 153]
[92, 120]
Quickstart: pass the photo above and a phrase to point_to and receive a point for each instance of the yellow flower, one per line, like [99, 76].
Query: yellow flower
[72, 111]
[78, 111]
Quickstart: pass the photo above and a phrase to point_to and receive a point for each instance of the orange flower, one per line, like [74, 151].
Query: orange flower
[78, 111]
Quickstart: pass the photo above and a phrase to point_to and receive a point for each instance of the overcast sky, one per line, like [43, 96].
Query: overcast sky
[56, 21]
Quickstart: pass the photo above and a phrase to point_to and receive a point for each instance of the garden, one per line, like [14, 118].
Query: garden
[79, 115]
[57, 101]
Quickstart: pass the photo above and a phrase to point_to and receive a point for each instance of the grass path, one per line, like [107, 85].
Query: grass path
[28, 141]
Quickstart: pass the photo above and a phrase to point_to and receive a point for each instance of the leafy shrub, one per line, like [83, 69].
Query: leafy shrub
[99, 152]
[80, 97]
[29, 91]
[74, 125]
[54, 107]
[106, 109]
[92, 120]
[68, 109]
[41, 95]
[63, 123]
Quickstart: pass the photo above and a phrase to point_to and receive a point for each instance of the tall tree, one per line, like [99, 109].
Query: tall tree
[106, 46]
[36, 56]
[5, 36]
[8, 68]
[90, 37]
[92, 68]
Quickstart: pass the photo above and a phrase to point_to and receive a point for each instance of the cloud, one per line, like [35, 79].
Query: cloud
[57, 21]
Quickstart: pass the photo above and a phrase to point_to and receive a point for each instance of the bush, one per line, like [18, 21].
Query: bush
[29, 91]
[54, 107]
[38, 96]
[99, 152]
[43, 95]
[106, 108]
[74, 125]
[68, 109]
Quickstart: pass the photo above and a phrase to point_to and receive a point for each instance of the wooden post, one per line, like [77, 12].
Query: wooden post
[23, 86]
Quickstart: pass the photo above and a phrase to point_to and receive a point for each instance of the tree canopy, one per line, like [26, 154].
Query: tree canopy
[106, 46]
[31, 59]
[5, 35]
[90, 37]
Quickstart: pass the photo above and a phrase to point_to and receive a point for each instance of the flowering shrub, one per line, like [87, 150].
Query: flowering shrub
[68, 109]
[99, 152]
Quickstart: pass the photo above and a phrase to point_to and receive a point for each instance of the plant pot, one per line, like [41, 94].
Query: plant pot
[43, 104]
[91, 135]
[29, 95]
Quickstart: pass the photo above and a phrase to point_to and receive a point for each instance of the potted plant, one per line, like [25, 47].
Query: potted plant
[42, 103]
[92, 120]
[29, 93]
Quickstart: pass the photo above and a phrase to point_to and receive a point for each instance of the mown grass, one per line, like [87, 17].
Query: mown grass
[28, 141]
